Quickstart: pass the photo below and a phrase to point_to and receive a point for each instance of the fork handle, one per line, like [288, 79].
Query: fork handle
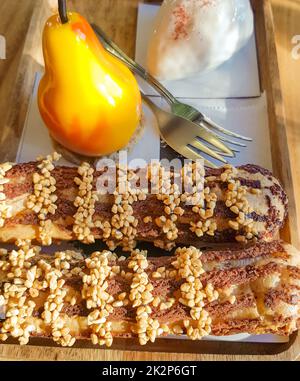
[111, 47]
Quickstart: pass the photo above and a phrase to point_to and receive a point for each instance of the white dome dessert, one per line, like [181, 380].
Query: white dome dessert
[195, 36]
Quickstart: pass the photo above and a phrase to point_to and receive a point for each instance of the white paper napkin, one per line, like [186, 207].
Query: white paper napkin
[247, 117]
[229, 95]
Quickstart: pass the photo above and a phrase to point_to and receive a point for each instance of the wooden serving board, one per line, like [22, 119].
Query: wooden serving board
[118, 19]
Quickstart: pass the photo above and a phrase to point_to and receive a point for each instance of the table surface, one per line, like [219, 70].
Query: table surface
[14, 22]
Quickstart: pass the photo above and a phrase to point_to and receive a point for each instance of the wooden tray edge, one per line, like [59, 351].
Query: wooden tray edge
[126, 348]
[21, 94]
[270, 78]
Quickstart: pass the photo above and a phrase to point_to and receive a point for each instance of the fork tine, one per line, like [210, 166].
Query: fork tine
[208, 163]
[227, 140]
[226, 154]
[193, 155]
[214, 125]
[201, 147]
[232, 142]
[210, 137]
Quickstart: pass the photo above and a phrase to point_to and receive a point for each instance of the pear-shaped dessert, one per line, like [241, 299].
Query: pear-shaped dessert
[88, 99]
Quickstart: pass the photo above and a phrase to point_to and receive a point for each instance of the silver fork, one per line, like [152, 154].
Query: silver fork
[181, 109]
[183, 135]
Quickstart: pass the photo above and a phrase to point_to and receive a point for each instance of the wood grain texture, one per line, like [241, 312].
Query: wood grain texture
[11, 14]
[286, 20]
[118, 18]
[270, 82]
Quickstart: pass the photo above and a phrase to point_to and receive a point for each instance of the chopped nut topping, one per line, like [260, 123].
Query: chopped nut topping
[85, 204]
[18, 306]
[193, 294]
[168, 246]
[29, 278]
[122, 229]
[95, 284]
[141, 298]
[237, 202]
[147, 219]
[5, 210]
[202, 199]
[169, 194]
[167, 304]
[156, 301]
[42, 201]
[54, 304]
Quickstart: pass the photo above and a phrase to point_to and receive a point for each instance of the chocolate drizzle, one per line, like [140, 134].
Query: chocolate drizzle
[259, 290]
[21, 183]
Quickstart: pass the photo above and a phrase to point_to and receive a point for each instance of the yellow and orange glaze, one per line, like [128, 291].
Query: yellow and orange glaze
[88, 99]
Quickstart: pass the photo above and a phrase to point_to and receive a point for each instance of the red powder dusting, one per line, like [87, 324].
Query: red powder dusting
[207, 3]
[182, 18]
[181, 22]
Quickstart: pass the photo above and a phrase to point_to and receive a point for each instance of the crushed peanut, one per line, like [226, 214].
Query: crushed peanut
[53, 306]
[85, 204]
[167, 304]
[169, 194]
[236, 200]
[43, 199]
[202, 198]
[5, 210]
[141, 298]
[122, 229]
[147, 219]
[94, 291]
[193, 295]
[18, 306]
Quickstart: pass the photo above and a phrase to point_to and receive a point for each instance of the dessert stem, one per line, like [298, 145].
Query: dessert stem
[62, 9]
